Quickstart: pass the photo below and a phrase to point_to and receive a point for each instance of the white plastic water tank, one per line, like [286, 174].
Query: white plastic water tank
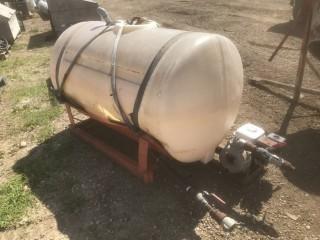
[192, 95]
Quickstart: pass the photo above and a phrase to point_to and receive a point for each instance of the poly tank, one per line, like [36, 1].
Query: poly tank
[189, 98]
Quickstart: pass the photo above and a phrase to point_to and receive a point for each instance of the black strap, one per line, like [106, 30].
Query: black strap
[152, 67]
[61, 55]
[74, 61]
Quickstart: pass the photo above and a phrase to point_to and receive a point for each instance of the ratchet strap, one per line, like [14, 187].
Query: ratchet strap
[63, 49]
[74, 61]
[148, 75]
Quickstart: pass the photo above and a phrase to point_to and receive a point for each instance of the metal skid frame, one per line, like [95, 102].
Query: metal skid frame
[140, 167]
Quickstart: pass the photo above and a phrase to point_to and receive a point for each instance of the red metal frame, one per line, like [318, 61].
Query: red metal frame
[142, 167]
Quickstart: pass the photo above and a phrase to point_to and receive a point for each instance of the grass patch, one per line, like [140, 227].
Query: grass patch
[26, 93]
[18, 46]
[13, 62]
[38, 92]
[40, 117]
[14, 201]
[39, 121]
[44, 133]
[32, 111]
[26, 67]
[42, 121]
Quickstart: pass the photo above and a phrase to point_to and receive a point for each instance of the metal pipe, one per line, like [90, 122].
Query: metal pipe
[283, 85]
[303, 55]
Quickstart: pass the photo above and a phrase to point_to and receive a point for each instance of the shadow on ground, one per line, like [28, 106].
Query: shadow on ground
[295, 30]
[40, 40]
[92, 198]
[289, 115]
[303, 151]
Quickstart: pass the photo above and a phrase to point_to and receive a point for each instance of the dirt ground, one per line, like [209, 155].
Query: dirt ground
[116, 205]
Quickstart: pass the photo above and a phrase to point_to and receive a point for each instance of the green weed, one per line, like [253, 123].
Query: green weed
[15, 199]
